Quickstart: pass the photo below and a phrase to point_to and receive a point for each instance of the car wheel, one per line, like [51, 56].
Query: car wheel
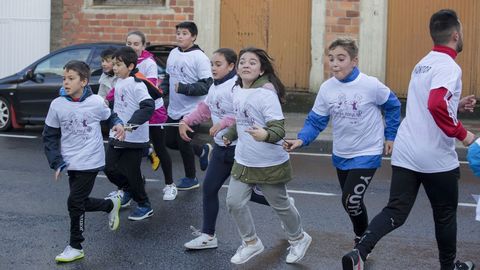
[5, 115]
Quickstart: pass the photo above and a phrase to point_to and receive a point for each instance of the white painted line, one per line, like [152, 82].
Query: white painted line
[467, 204]
[329, 155]
[18, 136]
[146, 179]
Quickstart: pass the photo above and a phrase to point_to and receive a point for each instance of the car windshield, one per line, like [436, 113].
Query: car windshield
[54, 65]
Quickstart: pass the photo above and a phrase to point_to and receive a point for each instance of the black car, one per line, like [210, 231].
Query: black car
[26, 96]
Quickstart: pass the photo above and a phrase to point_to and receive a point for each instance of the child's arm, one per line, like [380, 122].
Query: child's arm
[51, 144]
[143, 114]
[231, 135]
[200, 114]
[314, 124]
[199, 88]
[392, 120]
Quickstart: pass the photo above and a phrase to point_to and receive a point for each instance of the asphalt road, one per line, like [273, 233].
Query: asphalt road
[35, 223]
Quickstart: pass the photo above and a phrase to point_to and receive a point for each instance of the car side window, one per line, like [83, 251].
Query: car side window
[53, 66]
[96, 63]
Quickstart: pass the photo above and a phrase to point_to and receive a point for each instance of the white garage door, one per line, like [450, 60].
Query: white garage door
[24, 32]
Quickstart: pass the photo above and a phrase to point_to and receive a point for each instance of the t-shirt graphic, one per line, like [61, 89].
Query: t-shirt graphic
[347, 109]
[77, 124]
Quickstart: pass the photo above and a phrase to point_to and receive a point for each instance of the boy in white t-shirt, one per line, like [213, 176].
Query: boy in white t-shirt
[108, 78]
[73, 141]
[134, 106]
[188, 79]
[424, 151]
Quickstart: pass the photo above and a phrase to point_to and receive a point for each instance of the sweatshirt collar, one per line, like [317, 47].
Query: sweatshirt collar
[260, 81]
[87, 91]
[447, 50]
[352, 76]
[193, 48]
[145, 55]
[227, 77]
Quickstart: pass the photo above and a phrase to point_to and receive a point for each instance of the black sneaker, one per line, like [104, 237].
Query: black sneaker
[464, 265]
[352, 261]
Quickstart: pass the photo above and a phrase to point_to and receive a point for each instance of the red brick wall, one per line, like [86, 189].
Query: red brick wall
[342, 20]
[99, 26]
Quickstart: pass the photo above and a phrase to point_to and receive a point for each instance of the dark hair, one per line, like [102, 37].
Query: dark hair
[229, 54]
[140, 34]
[347, 44]
[190, 26]
[267, 67]
[107, 53]
[80, 67]
[442, 24]
[126, 55]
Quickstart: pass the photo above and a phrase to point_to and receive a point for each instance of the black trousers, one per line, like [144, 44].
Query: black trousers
[187, 150]
[354, 184]
[442, 191]
[157, 137]
[122, 167]
[79, 202]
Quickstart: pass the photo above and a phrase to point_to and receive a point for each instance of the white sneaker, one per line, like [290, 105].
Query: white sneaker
[70, 254]
[246, 252]
[113, 218]
[204, 241]
[298, 248]
[170, 192]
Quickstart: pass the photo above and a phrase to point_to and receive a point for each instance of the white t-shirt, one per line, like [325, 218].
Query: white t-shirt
[256, 106]
[353, 107]
[420, 144]
[220, 102]
[79, 122]
[148, 67]
[128, 95]
[187, 68]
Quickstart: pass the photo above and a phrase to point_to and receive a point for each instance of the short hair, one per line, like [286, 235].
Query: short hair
[80, 67]
[126, 55]
[107, 53]
[190, 26]
[229, 54]
[442, 25]
[140, 34]
[347, 44]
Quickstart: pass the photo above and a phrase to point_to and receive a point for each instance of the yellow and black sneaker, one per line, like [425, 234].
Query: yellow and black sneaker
[154, 160]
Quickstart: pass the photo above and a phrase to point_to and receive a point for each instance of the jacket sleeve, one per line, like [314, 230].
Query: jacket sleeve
[51, 144]
[114, 120]
[275, 131]
[200, 88]
[231, 133]
[391, 109]
[314, 124]
[144, 113]
[444, 114]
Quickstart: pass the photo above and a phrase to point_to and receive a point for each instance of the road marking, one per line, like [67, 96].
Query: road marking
[329, 155]
[146, 179]
[18, 136]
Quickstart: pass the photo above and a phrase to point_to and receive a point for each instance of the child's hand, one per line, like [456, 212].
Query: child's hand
[119, 132]
[388, 147]
[258, 133]
[215, 129]
[182, 129]
[226, 141]
[467, 104]
[289, 145]
[58, 172]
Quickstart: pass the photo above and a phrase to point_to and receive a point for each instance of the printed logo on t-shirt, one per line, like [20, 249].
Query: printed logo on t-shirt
[77, 124]
[216, 107]
[177, 72]
[345, 108]
[243, 115]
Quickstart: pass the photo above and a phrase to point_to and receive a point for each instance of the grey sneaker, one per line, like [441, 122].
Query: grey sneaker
[298, 248]
[467, 265]
[352, 261]
[246, 252]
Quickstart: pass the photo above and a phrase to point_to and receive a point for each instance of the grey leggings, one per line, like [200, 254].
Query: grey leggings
[239, 194]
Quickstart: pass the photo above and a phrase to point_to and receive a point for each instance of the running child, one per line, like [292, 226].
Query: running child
[73, 141]
[217, 106]
[188, 79]
[355, 102]
[108, 78]
[134, 105]
[259, 157]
